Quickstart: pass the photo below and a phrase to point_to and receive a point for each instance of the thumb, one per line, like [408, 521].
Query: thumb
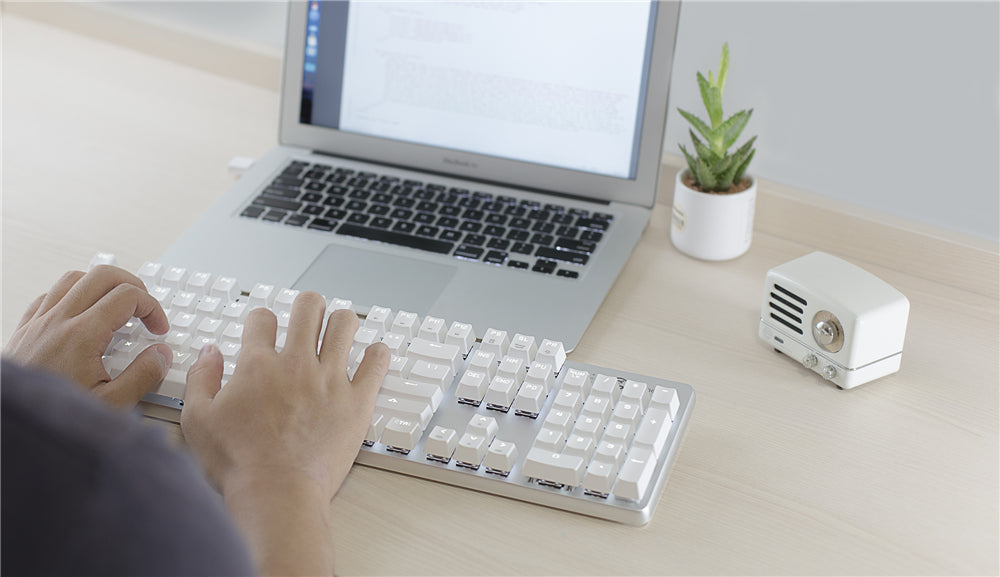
[204, 379]
[140, 377]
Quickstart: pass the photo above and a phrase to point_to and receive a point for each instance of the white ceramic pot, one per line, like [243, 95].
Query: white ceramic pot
[712, 226]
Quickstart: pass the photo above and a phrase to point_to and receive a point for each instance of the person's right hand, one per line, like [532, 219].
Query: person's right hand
[284, 414]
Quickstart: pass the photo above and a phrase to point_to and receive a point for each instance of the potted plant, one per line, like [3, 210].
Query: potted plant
[714, 198]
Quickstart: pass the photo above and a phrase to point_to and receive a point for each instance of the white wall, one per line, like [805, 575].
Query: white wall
[889, 105]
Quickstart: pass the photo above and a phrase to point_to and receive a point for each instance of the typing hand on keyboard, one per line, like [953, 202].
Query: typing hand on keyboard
[498, 411]
[67, 329]
[280, 438]
[293, 411]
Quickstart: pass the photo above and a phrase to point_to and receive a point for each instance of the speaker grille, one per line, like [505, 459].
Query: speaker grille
[787, 307]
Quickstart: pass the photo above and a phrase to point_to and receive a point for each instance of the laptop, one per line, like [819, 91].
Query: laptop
[493, 163]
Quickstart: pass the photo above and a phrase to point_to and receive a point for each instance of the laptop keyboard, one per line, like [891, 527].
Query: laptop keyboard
[500, 230]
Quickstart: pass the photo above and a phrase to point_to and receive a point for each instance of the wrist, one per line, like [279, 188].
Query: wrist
[286, 519]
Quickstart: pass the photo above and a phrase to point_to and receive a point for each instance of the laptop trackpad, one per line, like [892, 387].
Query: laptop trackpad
[368, 277]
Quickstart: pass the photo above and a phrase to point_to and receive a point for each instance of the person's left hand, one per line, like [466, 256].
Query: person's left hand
[68, 329]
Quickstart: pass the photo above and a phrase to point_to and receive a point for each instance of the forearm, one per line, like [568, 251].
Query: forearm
[286, 523]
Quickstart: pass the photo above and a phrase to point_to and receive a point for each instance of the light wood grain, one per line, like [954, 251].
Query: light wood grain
[109, 147]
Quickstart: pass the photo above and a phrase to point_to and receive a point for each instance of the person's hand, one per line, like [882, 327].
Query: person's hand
[280, 438]
[69, 328]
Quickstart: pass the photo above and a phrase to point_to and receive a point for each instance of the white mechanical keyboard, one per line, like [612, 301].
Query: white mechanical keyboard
[498, 411]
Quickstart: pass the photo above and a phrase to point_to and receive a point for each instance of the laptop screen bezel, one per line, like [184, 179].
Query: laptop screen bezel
[640, 190]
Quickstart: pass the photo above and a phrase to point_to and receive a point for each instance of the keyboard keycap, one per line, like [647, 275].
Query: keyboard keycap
[556, 468]
[636, 474]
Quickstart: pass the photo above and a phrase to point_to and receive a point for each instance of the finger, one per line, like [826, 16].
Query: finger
[204, 381]
[122, 303]
[30, 312]
[371, 371]
[142, 376]
[260, 330]
[339, 337]
[305, 323]
[98, 282]
[59, 290]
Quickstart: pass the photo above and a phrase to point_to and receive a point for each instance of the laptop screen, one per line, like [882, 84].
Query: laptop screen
[559, 84]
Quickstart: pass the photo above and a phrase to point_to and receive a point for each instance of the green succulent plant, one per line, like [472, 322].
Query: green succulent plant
[712, 167]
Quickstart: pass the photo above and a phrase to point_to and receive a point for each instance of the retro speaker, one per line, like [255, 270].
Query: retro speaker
[835, 318]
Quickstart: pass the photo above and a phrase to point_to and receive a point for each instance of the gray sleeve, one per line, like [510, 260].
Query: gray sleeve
[90, 491]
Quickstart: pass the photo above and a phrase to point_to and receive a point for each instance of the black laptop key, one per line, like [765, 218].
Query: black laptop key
[321, 224]
[297, 220]
[522, 248]
[397, 238]
[592, 223]
[275, 215]
[495, 257]
[584, 246]
[252, 211]
[280, 192]
[358, 218]
[450, 235]
[591, 235]
[475, 239]
[498, 243]
[567, 273]
[563, 255]
[542, 239]
[469, 252]
[404, 226]
[544, 266]
[279, 203]
[380, 222]
[518, 235]
[288, 182]
[517, 264]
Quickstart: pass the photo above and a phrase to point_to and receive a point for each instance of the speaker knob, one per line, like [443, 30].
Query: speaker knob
[827, 331]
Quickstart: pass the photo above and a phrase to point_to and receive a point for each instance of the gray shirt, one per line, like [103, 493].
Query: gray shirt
[90, 491]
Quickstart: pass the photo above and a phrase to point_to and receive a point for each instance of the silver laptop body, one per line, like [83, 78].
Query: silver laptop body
[396, 54]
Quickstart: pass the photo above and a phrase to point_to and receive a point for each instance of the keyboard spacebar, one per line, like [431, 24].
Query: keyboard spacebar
[399, 238]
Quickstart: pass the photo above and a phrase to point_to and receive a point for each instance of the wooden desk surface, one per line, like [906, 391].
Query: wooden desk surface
[114, 146]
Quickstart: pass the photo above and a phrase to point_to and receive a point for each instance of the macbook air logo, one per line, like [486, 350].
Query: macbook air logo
[460, 162]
